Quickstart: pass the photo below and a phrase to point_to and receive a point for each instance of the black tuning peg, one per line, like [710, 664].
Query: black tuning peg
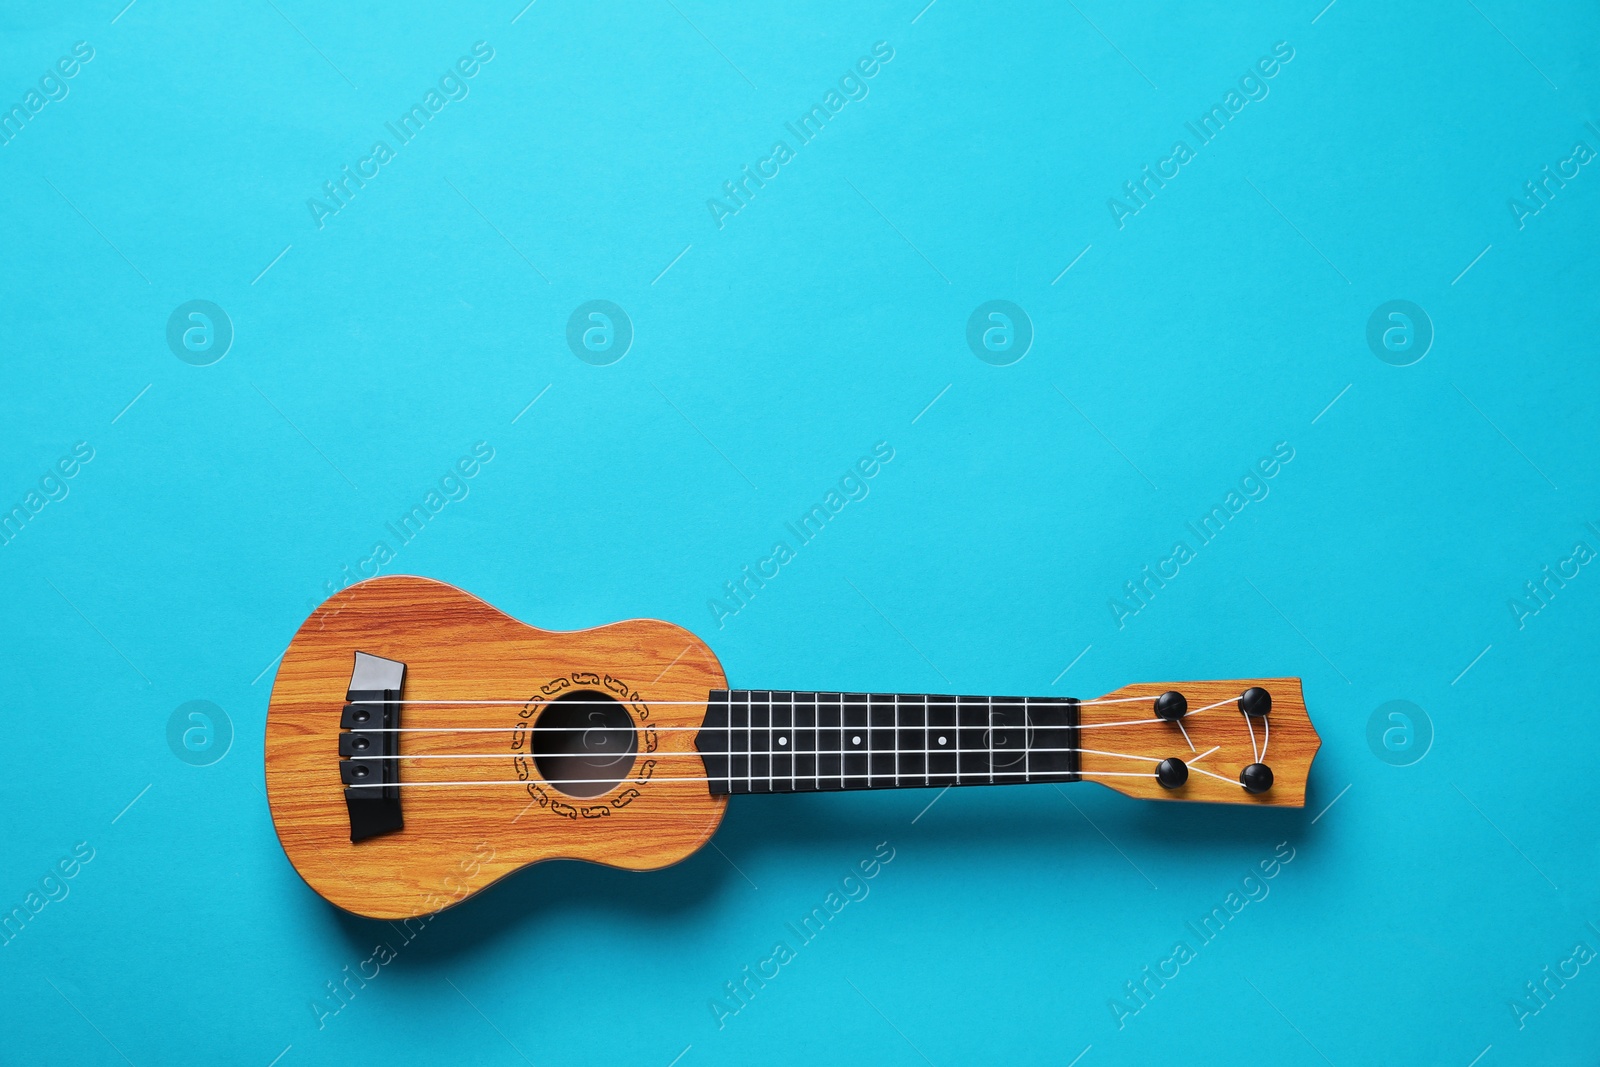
[1256, 778]
[1172, 773]
[1255, 701]
[1171, 705]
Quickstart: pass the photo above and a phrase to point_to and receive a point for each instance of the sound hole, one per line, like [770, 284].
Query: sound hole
[584, 743]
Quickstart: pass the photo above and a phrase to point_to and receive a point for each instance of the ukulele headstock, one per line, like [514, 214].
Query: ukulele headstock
[1239, 741]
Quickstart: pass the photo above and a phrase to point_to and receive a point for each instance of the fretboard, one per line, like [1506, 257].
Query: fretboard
[760, 741]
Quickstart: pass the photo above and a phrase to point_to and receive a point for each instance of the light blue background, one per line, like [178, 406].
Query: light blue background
[822, 318]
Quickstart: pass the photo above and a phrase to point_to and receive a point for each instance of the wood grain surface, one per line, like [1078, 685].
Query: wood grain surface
[1132, 729]
[457, 840]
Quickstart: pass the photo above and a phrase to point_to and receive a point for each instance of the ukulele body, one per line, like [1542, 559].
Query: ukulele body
[459, 840]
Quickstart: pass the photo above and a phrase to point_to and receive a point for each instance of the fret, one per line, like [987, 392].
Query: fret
[756, 741]
[911, 741]
[739, 742]
[1008, 739]
[894, 738]
[880, 741]
[816, 714]
[830, 741]
[972, 747]
[856, 739]
[989, 736]
[1053, 755]
[1027, 752]
[761, 742]
[942, 758]
[782, 742]
[715, 755]
[805, 741]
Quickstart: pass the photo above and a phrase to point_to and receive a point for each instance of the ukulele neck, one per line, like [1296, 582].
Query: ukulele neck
[763, 741]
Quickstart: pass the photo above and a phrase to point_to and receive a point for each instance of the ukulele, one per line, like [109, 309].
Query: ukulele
[421, 745]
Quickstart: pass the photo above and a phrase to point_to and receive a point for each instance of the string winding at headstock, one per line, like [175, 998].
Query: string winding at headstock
[1239, 741]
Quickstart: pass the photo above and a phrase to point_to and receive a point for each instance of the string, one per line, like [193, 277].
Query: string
[1251, 727]
[1186, 736]
[586, 781]
[701, 703]
[755, 726]
[781, 752]
[589, 781]
[775, 779]
[957, 751]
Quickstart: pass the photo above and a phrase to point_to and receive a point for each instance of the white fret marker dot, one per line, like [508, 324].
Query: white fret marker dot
[941, 740]
[783, 740]
[856, 740]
